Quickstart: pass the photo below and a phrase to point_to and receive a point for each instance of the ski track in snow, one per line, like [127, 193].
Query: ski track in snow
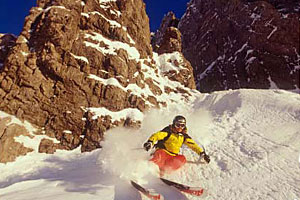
[252, 136]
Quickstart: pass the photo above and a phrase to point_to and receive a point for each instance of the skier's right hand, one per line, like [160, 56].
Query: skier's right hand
[147, 145]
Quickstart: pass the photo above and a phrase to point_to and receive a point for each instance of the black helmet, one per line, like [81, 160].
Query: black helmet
[179, 119]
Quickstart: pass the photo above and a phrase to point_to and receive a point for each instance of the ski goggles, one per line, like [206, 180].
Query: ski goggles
[179, 125]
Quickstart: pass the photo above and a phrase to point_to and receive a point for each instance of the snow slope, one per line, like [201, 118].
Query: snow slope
[252, 136]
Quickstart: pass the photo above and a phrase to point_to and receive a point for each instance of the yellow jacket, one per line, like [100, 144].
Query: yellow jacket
[173, 144]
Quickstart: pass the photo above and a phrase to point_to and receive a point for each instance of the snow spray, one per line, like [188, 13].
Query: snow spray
[120, 156]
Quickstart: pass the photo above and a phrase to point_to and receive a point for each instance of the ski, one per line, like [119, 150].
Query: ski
[147, 192]
[196, 191]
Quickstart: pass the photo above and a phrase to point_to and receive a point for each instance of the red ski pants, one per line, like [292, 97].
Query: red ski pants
[167, 162]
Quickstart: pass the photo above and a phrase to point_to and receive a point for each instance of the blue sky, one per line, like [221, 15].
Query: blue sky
[13, 13]
[156, 9]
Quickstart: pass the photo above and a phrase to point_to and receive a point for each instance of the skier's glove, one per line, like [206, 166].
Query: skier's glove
[147, 145]
[205, 157]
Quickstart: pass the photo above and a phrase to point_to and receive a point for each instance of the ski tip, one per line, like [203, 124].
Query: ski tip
[159, 197]
[155, 197]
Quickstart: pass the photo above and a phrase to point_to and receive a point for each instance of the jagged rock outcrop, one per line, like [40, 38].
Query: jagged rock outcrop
[167, 40]
[7, 41]
[242, 43]
[79, 64]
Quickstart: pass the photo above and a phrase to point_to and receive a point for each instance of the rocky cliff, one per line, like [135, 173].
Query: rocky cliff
[80, 68]
[242, 43]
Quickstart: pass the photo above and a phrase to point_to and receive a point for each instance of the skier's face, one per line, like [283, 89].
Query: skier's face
[179, 126]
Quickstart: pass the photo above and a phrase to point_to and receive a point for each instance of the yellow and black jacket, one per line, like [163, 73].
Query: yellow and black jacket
[173, 141]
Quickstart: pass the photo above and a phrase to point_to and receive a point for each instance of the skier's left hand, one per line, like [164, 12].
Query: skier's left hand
[205, 157]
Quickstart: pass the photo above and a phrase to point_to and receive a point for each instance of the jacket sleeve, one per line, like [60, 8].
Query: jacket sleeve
[193, 145]
[157, 136]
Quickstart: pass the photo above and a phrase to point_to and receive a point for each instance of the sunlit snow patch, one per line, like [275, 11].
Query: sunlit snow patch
[32, 141]
[132, 113]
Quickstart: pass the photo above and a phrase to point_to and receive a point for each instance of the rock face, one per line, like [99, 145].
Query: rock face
[7, 41]
[77, 64]
[167, 40]
[242, 43]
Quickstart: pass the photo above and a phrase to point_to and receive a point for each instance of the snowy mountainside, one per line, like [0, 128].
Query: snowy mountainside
[252, 136]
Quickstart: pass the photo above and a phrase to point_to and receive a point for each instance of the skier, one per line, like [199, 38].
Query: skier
[168, 143]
